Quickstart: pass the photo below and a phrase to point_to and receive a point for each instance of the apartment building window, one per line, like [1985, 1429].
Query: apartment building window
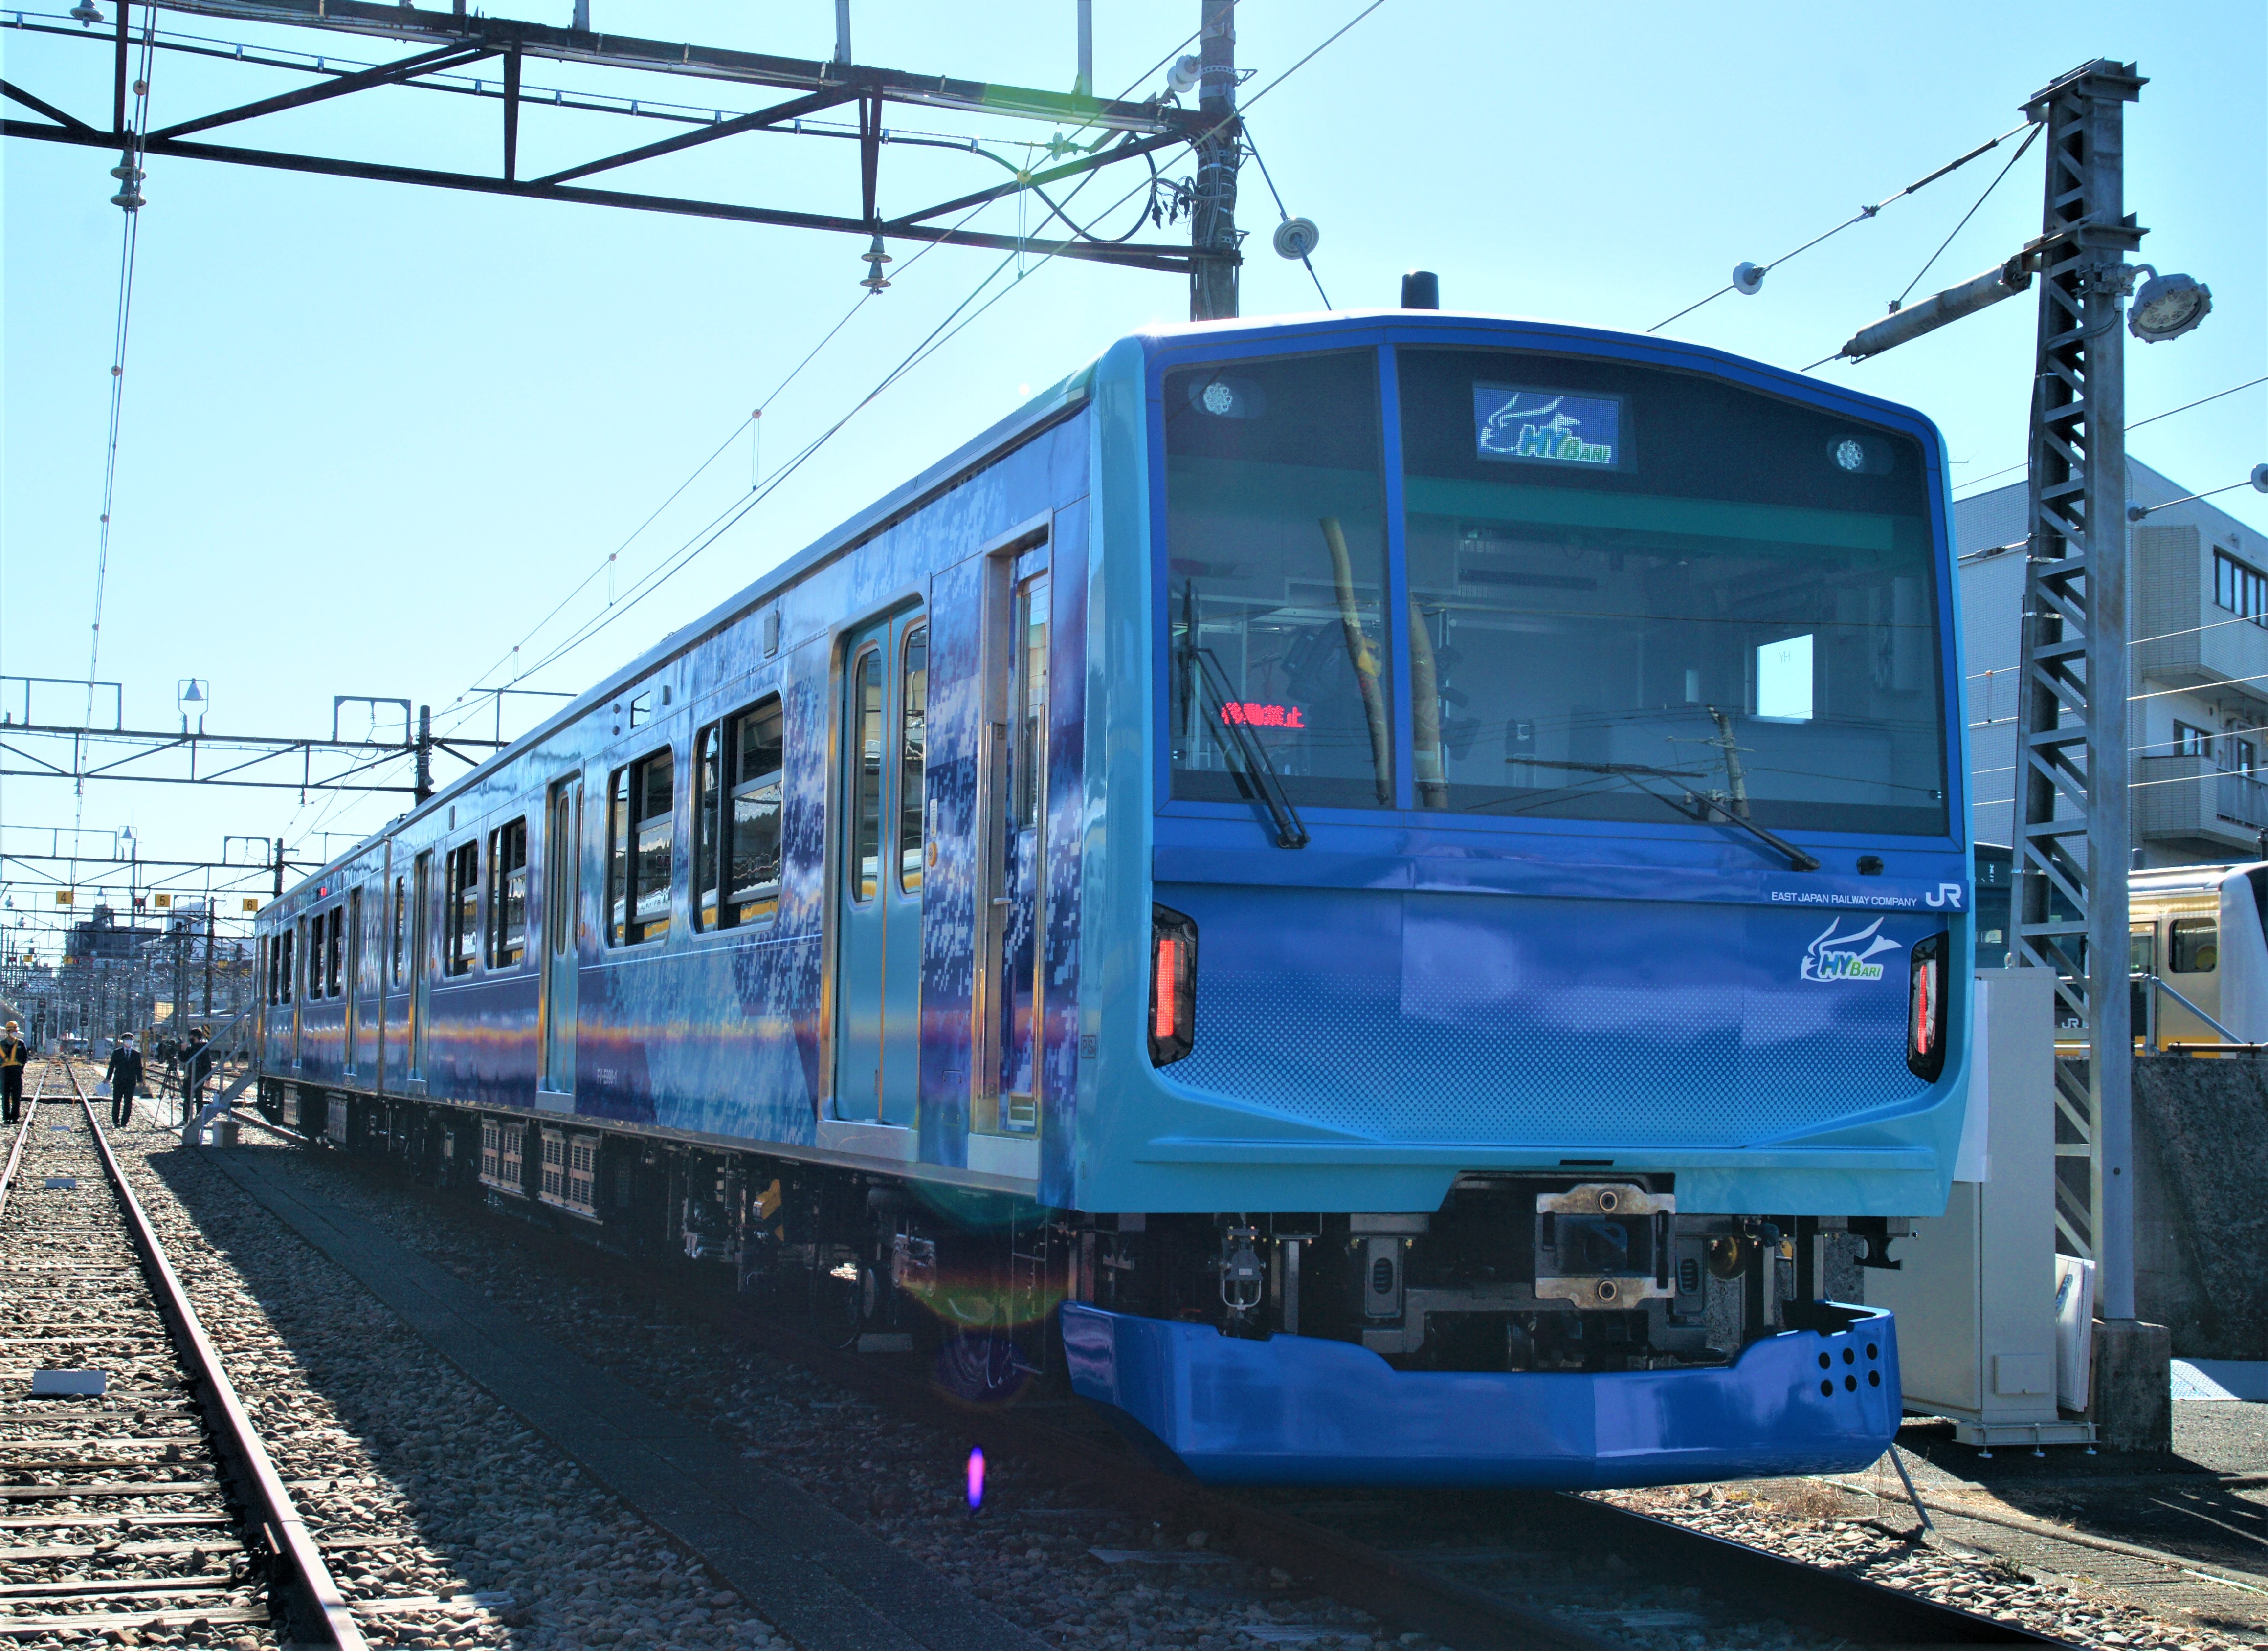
[2240, 587]
[2192, 741]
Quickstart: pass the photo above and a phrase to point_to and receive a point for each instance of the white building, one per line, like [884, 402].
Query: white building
[2197, 616]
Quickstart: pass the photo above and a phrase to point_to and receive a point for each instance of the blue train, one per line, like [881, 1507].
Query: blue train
[1370, 892]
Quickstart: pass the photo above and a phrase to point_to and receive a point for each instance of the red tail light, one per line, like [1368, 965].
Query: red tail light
[1173, 985]
[1926, 1010]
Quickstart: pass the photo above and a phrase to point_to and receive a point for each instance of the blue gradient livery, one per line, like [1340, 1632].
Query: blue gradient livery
[1372, 892]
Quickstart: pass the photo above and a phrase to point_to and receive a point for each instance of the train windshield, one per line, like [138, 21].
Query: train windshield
[1628, 589]
[1276, 579]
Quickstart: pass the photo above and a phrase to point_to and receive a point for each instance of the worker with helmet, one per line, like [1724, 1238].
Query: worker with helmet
[12, 1056]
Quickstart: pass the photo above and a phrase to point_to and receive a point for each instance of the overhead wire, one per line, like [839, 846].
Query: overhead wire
[717, 525]
[1284, 216]
[1899, 302]
[129, 165]
[460, 707]
[937, 339]
[1859, 217]
[2022, 464]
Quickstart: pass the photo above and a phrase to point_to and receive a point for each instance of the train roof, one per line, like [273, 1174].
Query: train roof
[2166, 881]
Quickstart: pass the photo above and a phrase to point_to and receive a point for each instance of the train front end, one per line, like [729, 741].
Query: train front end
[1533, 756]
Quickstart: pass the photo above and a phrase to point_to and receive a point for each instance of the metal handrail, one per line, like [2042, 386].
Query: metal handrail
[2175, 993]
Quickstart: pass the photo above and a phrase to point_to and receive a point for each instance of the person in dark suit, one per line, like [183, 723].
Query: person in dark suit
[196, 1057]
[124, 1076]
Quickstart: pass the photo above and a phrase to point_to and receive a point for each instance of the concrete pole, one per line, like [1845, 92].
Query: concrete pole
[1086, 87]
[1212, 227]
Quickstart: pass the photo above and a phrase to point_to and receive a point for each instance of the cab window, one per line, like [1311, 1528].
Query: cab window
[2195, 946]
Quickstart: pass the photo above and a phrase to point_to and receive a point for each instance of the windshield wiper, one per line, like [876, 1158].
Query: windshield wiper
[1244, 752]
[1628, 772]
[1796, 857]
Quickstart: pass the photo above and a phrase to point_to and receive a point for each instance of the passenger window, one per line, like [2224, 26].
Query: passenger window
[641, 848]
[866, 805]
[464, 908]
[508, 893]
[2196, 945]
[913, 746]
[737, 817]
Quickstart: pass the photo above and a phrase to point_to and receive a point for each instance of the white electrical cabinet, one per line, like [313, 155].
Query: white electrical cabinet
[1975, 1294]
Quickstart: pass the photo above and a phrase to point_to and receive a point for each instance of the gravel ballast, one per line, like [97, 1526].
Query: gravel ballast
[479, 1504]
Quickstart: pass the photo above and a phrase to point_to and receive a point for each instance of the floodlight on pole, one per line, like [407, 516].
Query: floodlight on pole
[2167, 306]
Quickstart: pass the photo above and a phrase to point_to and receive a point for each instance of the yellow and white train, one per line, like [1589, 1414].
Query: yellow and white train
[2197, 947]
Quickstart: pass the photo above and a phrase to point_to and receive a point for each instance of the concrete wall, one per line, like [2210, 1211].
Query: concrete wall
[2201, 1203]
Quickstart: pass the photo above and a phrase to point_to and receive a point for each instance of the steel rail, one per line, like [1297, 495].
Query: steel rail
[1394, 1589]
[286, 1535]
[31, 1106]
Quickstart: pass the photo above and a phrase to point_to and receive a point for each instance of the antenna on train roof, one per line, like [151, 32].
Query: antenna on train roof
[1421, 289]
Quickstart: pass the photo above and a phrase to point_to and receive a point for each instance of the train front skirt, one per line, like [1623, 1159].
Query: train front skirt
[1298, 1410]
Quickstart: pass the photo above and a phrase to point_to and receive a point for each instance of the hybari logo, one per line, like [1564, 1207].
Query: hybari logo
[1833, 957]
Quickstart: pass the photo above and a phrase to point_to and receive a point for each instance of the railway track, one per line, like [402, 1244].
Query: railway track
[1477, 1571]
[135, 1494]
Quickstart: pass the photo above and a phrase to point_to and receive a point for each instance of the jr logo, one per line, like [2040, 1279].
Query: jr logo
[1947, 898]
[1833, 957]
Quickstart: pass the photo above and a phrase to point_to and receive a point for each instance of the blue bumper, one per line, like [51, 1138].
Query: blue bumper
[1297, 1410]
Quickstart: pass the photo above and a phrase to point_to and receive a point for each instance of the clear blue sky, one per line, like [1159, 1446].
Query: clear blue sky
[371, 432]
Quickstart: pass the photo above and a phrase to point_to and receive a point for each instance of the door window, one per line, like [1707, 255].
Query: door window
[400, 926]
[866, 788]
[913, 746]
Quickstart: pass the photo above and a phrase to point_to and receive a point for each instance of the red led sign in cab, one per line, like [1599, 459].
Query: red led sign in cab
[1254, 715]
